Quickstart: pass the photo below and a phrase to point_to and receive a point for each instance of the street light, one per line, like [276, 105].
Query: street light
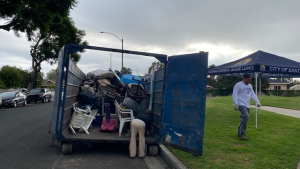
[122, 46]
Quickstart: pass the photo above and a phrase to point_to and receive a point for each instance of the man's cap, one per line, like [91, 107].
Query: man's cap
[247, 75]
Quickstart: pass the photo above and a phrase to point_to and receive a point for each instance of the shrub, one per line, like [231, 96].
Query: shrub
[218, 92]
[284, 93]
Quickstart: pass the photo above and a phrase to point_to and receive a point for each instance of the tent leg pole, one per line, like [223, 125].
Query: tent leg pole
[259, 93]
[256, 104]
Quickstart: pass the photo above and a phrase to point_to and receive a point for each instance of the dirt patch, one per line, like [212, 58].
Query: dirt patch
[239, 145]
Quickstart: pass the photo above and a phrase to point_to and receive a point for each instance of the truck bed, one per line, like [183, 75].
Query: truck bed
[97, 136]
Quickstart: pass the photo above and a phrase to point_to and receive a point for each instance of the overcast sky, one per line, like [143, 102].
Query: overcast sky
[227, 29]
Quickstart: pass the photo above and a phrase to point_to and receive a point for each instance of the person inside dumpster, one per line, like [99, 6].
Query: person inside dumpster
[139, 125]
[118, 73]
[242, 92]
[120, 92]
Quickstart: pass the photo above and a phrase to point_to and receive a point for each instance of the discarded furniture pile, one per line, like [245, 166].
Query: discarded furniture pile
[108, 101]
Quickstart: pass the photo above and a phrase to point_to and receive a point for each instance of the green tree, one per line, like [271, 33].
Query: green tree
[264, 83]
[39, 80]
[51, 75]
[126, 71]
[51, 86]
[212, 65]
[29, 16]
[227, 82]
[157, 65]
[2, 85]
[212, 82]
[46, 23]
[24, 78]
[10, 76]
[46, 48]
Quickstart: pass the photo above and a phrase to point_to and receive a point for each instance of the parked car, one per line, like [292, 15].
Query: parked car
[0, 102]
[13, 99]
[39, 94]
[24, 90]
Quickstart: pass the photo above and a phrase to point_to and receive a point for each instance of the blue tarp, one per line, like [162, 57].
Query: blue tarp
[269, 65]
[127, 78]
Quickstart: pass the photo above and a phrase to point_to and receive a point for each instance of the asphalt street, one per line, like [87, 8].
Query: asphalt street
[26, 144]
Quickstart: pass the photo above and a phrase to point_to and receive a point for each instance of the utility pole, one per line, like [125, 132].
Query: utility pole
[110, 62]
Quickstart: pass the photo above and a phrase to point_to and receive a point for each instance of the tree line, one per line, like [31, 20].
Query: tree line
[13, 77]
[228, 82]
[47, 25]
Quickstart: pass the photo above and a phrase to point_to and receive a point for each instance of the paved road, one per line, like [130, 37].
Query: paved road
[26, 143]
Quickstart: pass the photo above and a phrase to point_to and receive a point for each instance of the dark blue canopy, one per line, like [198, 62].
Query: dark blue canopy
[267, 64]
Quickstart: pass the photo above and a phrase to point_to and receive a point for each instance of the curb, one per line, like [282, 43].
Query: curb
[169, 158]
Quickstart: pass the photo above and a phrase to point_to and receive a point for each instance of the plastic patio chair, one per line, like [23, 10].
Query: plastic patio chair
[119, 112]
[79, 118]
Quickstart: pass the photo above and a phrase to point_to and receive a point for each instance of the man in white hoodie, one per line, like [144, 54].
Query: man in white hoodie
[242, 92]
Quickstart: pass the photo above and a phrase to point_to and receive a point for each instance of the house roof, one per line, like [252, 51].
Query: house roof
[47, 83]
[277, 81]
[50, 81]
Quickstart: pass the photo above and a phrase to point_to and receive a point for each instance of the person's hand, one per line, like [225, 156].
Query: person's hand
[258, 104]
[236, 107]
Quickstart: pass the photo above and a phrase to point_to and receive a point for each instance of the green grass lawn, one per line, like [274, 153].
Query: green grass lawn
[283, 102]
[274, 144]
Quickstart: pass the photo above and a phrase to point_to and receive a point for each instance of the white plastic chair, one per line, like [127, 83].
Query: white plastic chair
[119, 112]
[79, 118]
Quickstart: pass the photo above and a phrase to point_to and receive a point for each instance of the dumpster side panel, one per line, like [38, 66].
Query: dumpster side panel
[185, 97]
[75, 78]
[54, 121]
[157, 104]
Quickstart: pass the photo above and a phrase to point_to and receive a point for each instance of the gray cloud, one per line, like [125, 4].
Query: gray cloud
[227, 29]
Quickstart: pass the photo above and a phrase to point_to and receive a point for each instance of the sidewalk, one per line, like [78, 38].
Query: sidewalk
[287, 112]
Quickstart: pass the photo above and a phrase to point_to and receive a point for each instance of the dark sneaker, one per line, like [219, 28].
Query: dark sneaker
[243, 137]
[132, 157]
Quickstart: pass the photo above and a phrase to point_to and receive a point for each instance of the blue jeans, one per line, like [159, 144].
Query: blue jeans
[244, 119]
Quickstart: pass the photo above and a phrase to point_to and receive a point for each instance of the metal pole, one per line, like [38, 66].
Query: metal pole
[255, 103]
[122, 57]
[259, 93]
[110, 61]
[152, 86]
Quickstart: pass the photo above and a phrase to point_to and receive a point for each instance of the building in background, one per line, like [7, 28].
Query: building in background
[47, 83]
[277, 84]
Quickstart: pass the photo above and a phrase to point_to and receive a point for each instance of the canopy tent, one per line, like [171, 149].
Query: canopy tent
[259, 64]
[269, 66]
